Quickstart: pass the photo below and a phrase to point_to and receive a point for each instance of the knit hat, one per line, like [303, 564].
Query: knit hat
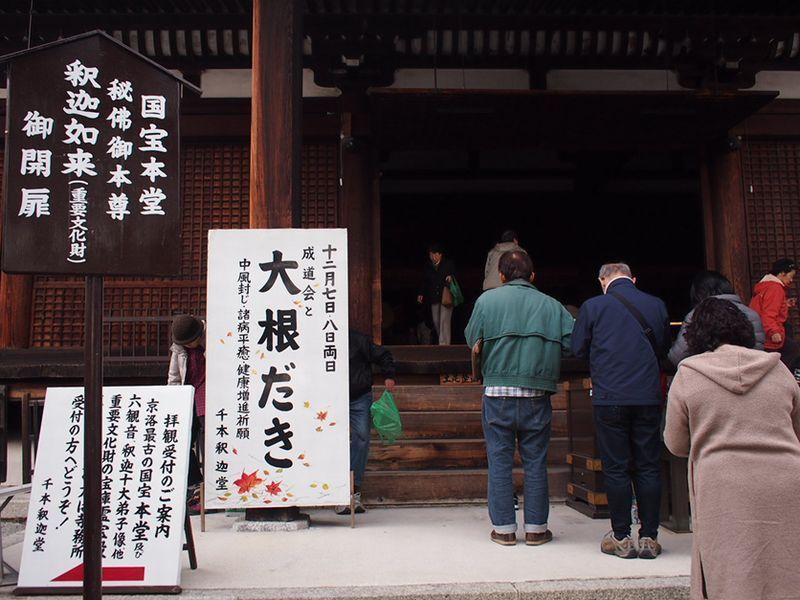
[186, 329]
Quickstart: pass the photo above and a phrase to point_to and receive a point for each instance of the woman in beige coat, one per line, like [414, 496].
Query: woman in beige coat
[735, 412]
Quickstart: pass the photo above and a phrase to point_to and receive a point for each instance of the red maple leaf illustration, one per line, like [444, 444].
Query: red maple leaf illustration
[247, 482]
[274, 488]
[322, 415]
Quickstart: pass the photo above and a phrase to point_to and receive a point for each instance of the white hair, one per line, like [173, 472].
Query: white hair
[610, 269]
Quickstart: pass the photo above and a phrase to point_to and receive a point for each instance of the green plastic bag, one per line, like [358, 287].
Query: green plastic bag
[386, 418]
[455, 290]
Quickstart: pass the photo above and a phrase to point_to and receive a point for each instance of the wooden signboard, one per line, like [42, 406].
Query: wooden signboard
[92, 188]
[145, 461]
[92, 167]
[277, 413]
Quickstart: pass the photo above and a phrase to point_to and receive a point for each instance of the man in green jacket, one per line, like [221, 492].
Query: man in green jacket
[520, 334]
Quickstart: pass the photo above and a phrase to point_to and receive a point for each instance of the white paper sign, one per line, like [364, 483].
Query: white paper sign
[277, 403]
[145, 461]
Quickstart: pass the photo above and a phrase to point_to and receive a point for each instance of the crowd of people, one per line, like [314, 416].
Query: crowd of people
[733, 409]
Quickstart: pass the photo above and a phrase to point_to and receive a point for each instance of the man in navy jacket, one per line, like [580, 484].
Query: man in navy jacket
[626, 400]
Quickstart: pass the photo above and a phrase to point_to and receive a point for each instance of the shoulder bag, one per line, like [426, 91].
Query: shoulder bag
[648, 331]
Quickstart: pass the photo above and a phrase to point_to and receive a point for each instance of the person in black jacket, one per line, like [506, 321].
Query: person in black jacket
[438, 273]
[363, 354]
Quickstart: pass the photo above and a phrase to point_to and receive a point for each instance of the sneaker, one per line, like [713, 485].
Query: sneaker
[648, 547]
[344, 509]
[623, 548]
[537, 539]
[504, 539]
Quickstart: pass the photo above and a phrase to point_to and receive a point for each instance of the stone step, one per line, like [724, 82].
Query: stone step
[651, 588]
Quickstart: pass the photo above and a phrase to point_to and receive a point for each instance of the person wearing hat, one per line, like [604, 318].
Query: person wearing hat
[187, 366]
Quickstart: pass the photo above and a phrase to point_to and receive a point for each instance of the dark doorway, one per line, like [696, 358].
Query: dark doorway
[572, 213]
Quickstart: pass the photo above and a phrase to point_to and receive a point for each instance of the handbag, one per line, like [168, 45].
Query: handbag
[447, 296]
[455, 291]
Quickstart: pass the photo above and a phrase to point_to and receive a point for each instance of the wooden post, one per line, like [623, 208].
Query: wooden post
[276, 125]
[377, 286]
[276, 136]
[725, 217]
[16, 298]
[355, 214]
[92, 438]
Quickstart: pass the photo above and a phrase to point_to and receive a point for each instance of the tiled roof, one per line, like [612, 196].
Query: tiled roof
[734, 38]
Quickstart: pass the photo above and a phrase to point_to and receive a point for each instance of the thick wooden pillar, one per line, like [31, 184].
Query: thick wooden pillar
[16, 299]
[377, 275]
[356, 214]
[275, 125]
[725, 217]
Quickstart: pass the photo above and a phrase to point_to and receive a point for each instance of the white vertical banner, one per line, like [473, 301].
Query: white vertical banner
[145, 461]
[277, 402]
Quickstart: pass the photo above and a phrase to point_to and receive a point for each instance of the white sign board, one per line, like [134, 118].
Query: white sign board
[145, 461]
[277, 403]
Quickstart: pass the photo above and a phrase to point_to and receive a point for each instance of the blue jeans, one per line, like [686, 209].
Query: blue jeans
[629, 440]
[508, 422]
[360, 422]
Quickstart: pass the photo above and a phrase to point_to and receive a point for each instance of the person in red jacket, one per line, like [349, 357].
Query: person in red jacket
[772, 303]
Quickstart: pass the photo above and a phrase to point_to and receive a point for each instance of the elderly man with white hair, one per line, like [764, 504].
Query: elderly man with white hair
[624, 333]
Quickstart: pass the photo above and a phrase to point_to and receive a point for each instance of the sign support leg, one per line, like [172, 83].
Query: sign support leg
[189, 545]
[352, 500]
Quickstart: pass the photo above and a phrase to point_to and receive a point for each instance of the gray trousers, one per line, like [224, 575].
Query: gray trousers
[442, 316]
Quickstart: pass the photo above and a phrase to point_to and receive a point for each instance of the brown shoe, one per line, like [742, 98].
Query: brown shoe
[648, 547]
[504, 539]
[537, 539]
[624, 548]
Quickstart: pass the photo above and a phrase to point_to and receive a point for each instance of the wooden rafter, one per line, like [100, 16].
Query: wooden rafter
[698, 38]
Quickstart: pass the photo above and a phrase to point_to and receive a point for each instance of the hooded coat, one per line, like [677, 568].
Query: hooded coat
[769, 301]
[735, 413]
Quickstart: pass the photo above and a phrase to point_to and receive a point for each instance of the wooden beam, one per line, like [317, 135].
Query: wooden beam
[276, 110]
[229, 118]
